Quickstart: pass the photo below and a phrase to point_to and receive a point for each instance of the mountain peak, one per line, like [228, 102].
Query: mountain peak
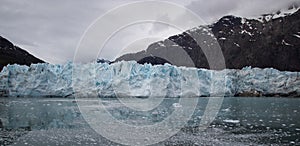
[269, 41]
[4, 43]
[11, 54]
[278, 14]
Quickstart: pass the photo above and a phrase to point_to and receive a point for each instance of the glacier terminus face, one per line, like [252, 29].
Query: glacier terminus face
[136, 80]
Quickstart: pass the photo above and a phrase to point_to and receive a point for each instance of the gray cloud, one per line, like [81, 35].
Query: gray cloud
[51, 29]
[211, 11]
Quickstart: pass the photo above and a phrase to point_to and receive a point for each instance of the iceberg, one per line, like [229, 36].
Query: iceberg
[137, 80]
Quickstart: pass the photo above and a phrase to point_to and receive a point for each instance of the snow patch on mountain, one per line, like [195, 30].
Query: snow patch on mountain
[275, 15]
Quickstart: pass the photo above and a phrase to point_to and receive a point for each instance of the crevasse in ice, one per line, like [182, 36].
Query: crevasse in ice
[132, 79]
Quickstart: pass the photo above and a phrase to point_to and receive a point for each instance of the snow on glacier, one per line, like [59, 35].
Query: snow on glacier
[133, 79]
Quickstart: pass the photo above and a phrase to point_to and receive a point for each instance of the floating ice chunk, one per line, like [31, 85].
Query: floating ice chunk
[176, 105]
[232, 121]
[226, 110]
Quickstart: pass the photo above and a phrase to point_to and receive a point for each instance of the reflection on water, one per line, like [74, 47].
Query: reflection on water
[241, 121]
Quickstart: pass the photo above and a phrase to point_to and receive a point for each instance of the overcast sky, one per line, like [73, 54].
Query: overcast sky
[51, 29]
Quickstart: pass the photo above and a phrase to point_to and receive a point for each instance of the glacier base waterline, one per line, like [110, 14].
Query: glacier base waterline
[137, 80]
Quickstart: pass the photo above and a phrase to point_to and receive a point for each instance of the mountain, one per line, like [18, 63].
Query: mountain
[11, 54]
[272, 40]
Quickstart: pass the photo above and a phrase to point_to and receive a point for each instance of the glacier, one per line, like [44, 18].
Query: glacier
[131, 79]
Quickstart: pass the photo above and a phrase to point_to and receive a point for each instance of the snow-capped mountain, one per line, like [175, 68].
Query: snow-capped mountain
[271, 40]
[11, 54]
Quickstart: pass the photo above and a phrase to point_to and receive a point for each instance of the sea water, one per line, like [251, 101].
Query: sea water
[240, 121]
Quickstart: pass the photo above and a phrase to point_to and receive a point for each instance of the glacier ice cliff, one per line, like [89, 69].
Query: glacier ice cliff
[133, 79]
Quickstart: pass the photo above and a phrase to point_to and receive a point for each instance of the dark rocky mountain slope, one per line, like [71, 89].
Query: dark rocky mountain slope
[11, 54]
[272, 40]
